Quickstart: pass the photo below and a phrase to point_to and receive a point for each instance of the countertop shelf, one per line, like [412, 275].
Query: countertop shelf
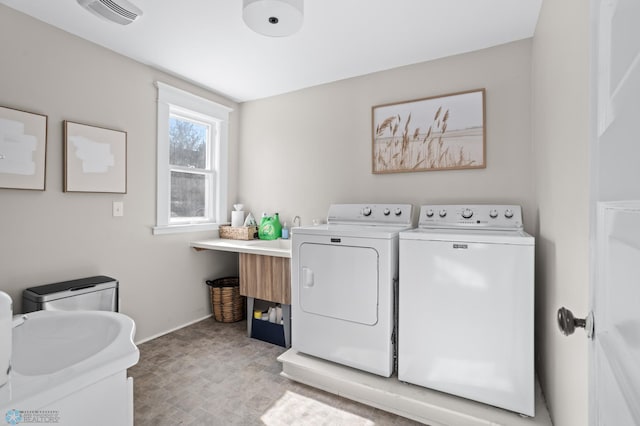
[276, 248]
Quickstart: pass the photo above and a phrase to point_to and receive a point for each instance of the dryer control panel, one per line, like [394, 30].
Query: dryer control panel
[372, 214]
[471, 216]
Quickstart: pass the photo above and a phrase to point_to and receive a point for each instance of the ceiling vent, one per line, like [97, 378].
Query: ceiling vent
[121, 11]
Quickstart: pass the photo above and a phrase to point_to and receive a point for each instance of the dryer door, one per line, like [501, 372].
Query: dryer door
[339, 282]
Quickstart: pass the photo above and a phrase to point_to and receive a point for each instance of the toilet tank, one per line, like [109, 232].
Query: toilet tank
[99, 293]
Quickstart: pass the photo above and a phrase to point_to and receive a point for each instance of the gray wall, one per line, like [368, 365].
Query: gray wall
[304, 150]
[560, 107]
[54, 236]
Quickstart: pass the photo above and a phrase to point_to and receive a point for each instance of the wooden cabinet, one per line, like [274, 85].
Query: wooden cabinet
[265, 277]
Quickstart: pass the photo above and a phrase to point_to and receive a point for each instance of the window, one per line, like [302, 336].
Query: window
[192, 162]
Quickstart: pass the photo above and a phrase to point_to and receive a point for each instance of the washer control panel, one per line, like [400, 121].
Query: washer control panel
[374, 214]
[480, 216]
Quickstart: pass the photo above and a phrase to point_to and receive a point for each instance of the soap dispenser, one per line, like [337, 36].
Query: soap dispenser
[6, 326]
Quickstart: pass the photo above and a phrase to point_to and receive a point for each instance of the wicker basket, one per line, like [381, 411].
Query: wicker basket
[226, 302]
[238, 232]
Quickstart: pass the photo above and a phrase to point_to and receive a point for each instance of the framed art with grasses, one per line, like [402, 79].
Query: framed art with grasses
[438, 133]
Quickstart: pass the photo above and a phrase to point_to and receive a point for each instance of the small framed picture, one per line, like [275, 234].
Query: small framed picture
[95, 159]
[23, 149]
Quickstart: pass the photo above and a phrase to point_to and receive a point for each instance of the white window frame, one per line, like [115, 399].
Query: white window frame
[171, 99]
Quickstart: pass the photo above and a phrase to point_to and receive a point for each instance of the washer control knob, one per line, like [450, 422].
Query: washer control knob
[366, 211]
[397, 211]
[467, 213]
[442, 213]
[430, 213]
[386, 212]
[508, 213]
[493, 213]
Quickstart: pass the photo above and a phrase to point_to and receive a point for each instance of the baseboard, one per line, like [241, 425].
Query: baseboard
[162, 333]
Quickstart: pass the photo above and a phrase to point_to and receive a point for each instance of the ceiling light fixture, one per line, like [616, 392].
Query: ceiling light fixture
[119, 11]
[273, 18]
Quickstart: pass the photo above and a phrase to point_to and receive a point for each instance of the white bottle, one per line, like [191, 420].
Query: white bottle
[6, 325]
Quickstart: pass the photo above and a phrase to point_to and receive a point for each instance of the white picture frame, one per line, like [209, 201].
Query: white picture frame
[95, 159]
[23, 149]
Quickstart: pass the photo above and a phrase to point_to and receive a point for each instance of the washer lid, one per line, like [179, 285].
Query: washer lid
[476, 236]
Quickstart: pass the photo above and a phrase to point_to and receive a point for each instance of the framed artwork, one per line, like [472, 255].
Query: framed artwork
[95, 159]
[438, 133]
[23, 149]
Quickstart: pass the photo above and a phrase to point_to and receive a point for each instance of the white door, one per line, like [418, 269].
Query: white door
[615, 350]
[615, 291]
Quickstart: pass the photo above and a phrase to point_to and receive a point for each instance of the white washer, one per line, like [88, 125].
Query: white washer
[343, 280]
[466, 305]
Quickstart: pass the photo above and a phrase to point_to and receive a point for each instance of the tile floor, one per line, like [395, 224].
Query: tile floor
[211, 373]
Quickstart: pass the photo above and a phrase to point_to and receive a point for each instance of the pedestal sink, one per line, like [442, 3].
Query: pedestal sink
[71, 365]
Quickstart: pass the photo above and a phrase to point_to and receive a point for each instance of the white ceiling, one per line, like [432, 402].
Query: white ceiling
[206, 41]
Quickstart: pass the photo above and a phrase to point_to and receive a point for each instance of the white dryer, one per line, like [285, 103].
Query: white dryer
[466, 305]
[343, 280]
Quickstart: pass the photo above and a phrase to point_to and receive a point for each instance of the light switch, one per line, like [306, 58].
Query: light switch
[118, 208]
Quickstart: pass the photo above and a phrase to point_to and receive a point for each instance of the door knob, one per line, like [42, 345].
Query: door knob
[568, 323]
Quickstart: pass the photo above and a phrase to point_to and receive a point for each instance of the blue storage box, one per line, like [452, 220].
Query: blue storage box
[267, 332]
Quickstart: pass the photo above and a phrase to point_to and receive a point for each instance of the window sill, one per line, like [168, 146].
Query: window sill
[181, 229]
